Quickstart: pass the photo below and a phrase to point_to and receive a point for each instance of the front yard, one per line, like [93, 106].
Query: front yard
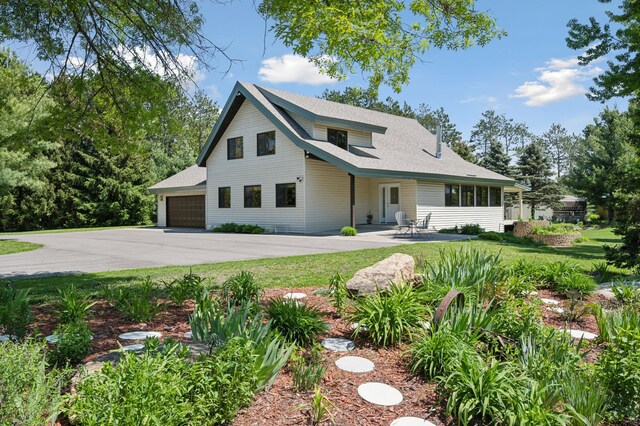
[12, 246]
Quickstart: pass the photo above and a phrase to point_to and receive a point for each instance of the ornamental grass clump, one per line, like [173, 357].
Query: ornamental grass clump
[295, 322]
[182, 289]
[241, 288]
[72, 306]
[390, 316]
[575, 282]
[139, 302]
[15, 312]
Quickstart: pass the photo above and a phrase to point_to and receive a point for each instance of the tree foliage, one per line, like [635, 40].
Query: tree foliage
[559, 145]
[497, 160]
[499, 128]
[534, 168]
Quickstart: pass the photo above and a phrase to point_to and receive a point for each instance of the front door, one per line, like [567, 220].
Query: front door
[389, 202]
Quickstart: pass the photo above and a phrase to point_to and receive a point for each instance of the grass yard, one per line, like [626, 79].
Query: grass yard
[11, 246]
[315, 270]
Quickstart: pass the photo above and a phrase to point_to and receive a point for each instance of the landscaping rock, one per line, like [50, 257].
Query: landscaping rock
[380, 394]
[295, 296]
[338, 344]
[397, 268]
[83, 372]
[188, 335]
[606, 292]
[139, 335]
[549, 301]
[4, 338]
[52, 338]
[354, 364]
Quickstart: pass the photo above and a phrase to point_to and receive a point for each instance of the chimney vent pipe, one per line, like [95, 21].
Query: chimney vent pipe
[439, 142]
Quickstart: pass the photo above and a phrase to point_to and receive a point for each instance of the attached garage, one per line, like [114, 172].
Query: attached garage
[186, 211]
[181, 199]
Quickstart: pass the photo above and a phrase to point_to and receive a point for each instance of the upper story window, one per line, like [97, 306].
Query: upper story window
[452, 195]
[496, 197]
[252, 196]
[285, 195]
[338, 138]
[467, 196]
[224, 197]
[266, 143]
[235, 148]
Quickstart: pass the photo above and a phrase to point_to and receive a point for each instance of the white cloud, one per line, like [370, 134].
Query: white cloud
[558, 79]
[491, 100]
[291, 68]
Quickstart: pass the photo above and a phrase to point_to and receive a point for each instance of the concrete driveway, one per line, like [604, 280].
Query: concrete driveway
[117, 249]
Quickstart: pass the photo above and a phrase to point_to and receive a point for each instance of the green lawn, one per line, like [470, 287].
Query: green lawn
[56, 231]
[11, 246]
[315, 270]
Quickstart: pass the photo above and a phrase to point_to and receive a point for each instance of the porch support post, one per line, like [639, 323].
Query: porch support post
[521, 205]
[352, 193]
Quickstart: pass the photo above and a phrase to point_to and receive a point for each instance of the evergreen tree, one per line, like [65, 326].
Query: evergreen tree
[534, 168]
[464, 150]
[497, 160]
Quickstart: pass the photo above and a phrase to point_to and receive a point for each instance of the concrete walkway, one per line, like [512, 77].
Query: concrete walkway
[117, 249]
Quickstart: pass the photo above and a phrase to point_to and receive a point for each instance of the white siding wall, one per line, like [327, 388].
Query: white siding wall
[430, 199]
[354, 137]
[162, 204]
[327, 202]
[283, 167]
[407, 197]
[307, 125]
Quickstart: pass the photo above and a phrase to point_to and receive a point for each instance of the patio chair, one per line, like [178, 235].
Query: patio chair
[403, 223]
[423, 225]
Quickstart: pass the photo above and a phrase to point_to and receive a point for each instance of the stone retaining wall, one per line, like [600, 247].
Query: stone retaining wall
[525, 228]
[555, 240]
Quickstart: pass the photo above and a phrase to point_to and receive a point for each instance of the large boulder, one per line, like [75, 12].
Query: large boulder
[396, 268]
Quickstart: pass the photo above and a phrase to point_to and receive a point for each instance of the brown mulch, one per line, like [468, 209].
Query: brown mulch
[281, 405]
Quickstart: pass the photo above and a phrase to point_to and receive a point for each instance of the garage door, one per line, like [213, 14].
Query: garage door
[186, 212]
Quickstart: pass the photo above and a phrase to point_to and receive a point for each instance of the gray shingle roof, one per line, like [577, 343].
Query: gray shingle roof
[191, 178]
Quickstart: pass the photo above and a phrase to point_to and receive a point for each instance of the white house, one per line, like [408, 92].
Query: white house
[299, 164]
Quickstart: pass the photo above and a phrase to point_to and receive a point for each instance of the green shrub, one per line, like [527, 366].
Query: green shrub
[390, 316]
[553, 272]
[475, 273]
[338, 292]
[556, 229]
[533, 273]
[508, 237]
[182, 289]
[576, 282]
[438, 352]
[580, 240]
[618, 369]
[241, 288]
[74, 343]
[163, 388]
[626, 292]
[29, 392]
[307, 368]
[592, 217]
[73, 308]
[15, 312]
[138, 302]
[585, 399]
[516, 317]
[238, 229]
[601, 272]
[467, 229]
[348, 231]
[296, 322]
[610, 323]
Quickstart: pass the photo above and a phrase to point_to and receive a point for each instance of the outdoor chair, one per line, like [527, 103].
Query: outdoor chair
[423, 225]
[403, 223]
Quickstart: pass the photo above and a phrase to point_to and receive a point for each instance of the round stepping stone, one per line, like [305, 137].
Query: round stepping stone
[139, 335]
[188, 335]
[52, 338]
[532, 293]
[380, 393]
[137, 347]
[354, 364]
[411, 421]
[557, 310]
[338, 344]
[4, 338]
[363, 327]
[295, 296]
[579, 334]
[549, 301]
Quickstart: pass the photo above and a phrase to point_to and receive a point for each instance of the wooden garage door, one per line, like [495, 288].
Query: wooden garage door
[186, 212]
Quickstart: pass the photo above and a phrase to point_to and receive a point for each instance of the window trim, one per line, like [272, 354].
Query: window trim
[235, 139]
[346, 134]
[220, 200]
[286, 185]
[252, 196]
[258, 143]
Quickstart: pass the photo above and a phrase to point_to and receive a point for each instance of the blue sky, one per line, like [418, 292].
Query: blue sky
[531, 61]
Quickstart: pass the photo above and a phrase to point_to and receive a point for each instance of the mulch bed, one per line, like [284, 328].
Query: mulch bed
[281, 405]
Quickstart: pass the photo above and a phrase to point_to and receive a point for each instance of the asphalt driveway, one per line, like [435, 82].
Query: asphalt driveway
[117, 249]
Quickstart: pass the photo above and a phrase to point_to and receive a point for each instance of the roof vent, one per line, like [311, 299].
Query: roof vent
[439, 142]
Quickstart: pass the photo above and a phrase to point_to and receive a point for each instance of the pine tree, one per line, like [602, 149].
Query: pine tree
[496, 159]
[534, 167]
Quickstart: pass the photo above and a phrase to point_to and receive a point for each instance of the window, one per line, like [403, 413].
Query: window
[482, 196]
[234, 148]
[496, 197]
[266, 143]
[224, 197]
[394, 195]
[467, 196]
[252, 196]
[338, 138]
[451, 195]
[285, 195]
